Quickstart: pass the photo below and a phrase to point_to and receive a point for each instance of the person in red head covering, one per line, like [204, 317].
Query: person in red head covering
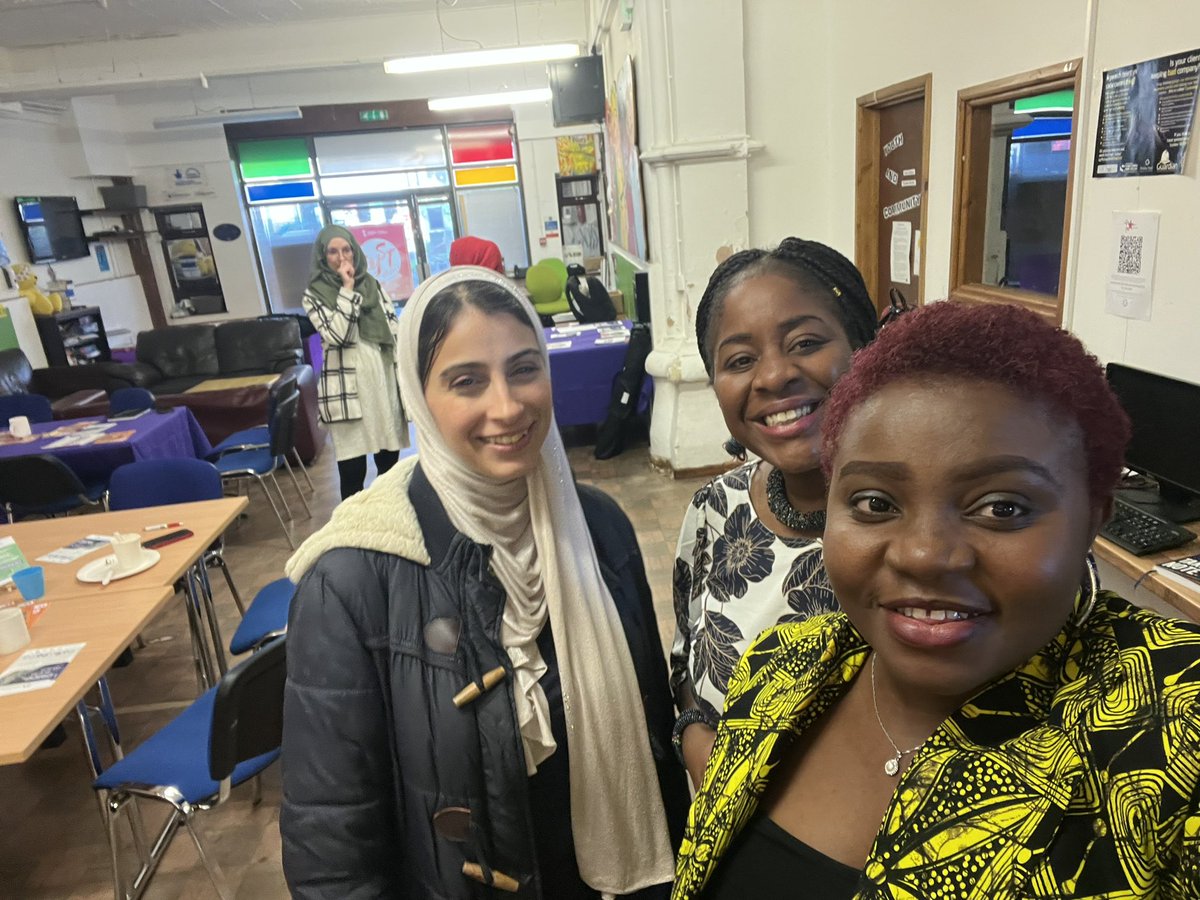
[473, 251]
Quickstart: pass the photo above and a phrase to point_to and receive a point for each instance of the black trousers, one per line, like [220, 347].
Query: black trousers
[353, 472]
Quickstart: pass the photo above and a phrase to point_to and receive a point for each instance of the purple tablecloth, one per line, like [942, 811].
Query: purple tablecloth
[174, 433]
[582, 376]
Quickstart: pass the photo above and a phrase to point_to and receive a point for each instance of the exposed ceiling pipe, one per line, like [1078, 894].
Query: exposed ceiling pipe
[602, 23]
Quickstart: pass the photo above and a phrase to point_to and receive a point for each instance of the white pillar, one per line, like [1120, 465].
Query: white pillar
[689, 76]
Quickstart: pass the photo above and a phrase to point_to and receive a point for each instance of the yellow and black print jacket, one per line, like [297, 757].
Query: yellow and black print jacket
[1078, 775]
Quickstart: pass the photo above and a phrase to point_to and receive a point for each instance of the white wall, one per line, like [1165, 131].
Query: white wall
[1128, 32]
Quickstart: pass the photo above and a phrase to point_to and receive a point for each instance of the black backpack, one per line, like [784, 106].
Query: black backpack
[588, 298]
[627, 391]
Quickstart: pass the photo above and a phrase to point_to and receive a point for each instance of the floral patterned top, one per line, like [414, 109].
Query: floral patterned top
[734, 578]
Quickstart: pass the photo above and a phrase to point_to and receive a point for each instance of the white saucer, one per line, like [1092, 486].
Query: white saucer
[93, 572]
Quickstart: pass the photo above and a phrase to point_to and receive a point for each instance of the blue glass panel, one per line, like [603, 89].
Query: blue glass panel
[284, 190]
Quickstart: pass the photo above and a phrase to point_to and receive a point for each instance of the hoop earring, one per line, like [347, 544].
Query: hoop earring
[1092, 587]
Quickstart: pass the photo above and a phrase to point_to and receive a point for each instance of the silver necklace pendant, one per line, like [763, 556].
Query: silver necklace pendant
[892, 766]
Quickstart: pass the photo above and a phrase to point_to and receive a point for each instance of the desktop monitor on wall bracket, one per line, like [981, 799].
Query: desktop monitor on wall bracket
[1165, 414]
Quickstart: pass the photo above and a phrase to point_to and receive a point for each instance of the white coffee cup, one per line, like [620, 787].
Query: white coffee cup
[128, 550]
[18, 426]
[13, 633]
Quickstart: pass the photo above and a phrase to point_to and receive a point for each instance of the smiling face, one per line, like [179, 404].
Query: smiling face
[777, 351]
[959, 519]
[489, 393]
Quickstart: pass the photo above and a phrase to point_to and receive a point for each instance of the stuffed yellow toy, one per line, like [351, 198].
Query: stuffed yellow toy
[27, 286]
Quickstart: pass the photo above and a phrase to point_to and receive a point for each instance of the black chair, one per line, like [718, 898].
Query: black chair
[229, 734]
[42, 484]
[34, 407]
[258, 436]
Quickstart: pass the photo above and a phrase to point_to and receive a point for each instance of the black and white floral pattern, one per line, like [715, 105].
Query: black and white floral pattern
[733, 579]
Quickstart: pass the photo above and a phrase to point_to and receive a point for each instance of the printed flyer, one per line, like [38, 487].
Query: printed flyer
[37, 669]
[1146, 112]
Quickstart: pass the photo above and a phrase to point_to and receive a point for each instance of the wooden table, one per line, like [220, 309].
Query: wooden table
[107, 625]
[221, 384]
[1139, 570]
[208, 519]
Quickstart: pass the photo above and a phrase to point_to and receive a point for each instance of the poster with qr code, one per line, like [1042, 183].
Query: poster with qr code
[1146, 114]
[1131, 269]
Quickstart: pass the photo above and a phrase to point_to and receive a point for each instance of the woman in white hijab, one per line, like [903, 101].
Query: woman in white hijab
[477, 698]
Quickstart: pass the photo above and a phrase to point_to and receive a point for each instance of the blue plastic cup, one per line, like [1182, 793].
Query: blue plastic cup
[31, 582]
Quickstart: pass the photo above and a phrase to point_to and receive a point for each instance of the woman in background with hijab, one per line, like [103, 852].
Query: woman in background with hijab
[358, 395]
[473, 251]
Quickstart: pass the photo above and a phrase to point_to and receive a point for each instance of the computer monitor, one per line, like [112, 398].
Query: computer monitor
[1166, 441]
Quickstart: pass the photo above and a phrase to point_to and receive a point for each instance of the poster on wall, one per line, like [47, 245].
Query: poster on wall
[626, 206]
[1130, 288]
[576, 154]
[1146, 113]
[386, 250]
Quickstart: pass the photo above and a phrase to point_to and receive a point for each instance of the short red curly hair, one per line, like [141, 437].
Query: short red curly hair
[1005, 345]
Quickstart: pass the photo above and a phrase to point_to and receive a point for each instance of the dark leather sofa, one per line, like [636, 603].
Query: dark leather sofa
[17, 376]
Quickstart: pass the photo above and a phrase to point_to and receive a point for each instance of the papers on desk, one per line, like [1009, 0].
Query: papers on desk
[558, 345]
[11, 559]
[81, 547]
[37, 669]
[1185, 571]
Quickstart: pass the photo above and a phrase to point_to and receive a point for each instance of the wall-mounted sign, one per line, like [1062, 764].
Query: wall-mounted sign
[372, 115]
[227, 231]
[1146, 112]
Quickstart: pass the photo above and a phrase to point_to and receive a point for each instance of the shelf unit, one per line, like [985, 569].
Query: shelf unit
[127, 234]
[74, 337]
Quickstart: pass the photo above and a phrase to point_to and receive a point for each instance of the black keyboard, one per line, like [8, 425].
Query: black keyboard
[1141, 533]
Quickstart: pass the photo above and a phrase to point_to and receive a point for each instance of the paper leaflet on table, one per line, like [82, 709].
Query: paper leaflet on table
[11, 559]
[76, 549]
[37, 669]
[1186, 571]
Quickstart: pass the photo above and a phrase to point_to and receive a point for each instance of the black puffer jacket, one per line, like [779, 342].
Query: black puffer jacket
[380, 640]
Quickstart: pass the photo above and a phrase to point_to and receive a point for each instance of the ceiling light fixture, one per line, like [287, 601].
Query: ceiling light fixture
[504, 98]
[231, 117]
[478, 59]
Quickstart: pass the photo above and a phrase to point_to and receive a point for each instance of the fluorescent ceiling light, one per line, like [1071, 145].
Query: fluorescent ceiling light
[231, 117]
[477, 59]
[504, 98]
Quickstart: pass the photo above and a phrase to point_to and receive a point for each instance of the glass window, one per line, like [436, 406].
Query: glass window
[485, 175]
[386, 183]
[482, 144]
[437, 233]
[276, 158]
[283, 190]
[285, 233]
[385, 233]
[498, 215]
[380, 151]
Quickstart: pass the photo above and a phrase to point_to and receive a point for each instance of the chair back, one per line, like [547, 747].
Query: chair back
[284, 386]
[34, 407]
[38, 480]
[282, 424]
[247, 714]
[160, 482]
[130, 398]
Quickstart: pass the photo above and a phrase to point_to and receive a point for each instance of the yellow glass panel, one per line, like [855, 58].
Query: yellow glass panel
[486, 175]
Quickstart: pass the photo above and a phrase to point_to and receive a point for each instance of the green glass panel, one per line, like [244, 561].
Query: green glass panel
[1055, 101]
[279, 158]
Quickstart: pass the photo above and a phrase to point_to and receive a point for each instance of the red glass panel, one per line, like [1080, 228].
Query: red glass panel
[481, 144]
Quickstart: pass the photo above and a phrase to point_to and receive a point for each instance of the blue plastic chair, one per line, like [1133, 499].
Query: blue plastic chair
[261, 463]
[34, 407]
[230, 734]
[266, 618]
[161, 482]
[42, 484]
[130, 398]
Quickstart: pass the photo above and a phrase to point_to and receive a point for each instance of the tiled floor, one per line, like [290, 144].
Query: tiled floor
[51, 839]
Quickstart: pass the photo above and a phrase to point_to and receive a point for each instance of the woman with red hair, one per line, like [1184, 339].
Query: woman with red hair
[473, 251]
[979, 719]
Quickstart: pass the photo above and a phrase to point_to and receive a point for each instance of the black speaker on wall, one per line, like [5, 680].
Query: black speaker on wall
[641, 296]
[577, 90]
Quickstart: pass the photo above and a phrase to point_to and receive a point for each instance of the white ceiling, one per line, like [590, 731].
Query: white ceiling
[33, 23]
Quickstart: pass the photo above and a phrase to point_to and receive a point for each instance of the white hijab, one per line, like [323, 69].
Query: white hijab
[544, 557]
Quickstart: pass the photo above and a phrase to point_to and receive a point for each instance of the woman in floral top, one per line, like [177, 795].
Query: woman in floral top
[775, 329]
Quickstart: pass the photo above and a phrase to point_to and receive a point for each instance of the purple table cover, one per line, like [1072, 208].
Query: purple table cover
[582, 376]
[174, 433]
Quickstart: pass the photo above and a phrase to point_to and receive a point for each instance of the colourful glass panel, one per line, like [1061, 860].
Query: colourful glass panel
[482, 144]
[287, 190]
[486, 175]
[276, 158]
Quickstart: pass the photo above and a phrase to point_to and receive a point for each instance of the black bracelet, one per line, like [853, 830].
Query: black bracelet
[688, 717]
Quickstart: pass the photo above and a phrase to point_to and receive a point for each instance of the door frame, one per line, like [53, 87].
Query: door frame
[867, 175]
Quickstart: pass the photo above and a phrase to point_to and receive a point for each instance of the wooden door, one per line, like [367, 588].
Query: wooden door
[891, 190]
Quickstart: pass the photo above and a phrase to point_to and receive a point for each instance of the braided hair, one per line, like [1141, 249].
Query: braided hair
[813, 266]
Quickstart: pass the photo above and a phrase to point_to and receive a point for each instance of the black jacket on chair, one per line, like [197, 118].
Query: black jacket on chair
[380, 641]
